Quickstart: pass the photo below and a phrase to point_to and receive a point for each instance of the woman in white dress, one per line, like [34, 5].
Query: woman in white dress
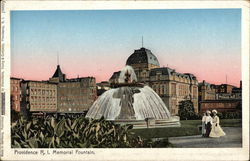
[203, 130]
[216, 130]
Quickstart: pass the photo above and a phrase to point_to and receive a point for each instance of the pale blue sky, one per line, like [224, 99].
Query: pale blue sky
[206, 42]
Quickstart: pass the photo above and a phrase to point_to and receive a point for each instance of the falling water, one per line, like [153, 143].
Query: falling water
[129, 102]
[127, 70]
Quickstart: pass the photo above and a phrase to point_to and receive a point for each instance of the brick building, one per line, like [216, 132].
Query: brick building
[58, 95]
[224, 97]
[74, 95]
[15, 93]
[38, 96]
[170, 85]
[227, 105]
[207, 91]
[224, 88]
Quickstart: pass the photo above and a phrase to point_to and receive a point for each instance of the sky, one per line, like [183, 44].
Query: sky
[205, 42]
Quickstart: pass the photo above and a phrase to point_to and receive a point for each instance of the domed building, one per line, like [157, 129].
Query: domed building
[170, 85]
[143, 60]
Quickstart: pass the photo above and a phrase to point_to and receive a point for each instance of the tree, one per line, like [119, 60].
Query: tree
[186, 110]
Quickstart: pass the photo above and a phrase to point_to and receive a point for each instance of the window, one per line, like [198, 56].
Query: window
[173, 88]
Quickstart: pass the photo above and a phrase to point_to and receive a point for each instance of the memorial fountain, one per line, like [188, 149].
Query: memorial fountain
[130, 102]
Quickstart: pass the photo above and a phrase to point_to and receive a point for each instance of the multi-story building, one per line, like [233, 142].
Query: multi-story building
[227, 97]
[174, 87]
[170, 85]
[56, 95]
[227, 91]
[38, 96]
[224, 88]
[74, 95]
[226, 105]
[238, 91]
[207, 91]
[15, 93]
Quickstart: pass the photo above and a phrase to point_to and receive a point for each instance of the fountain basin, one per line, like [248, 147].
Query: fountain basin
[173, 121]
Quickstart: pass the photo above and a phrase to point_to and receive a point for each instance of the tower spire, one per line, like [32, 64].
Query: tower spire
[142, 42]
[57, 59]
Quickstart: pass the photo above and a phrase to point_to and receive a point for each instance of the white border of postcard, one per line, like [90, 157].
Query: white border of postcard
[126, 154]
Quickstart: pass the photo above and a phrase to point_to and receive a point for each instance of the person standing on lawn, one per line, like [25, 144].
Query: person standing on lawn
[216, 129]
[208, 123]
[203, 129]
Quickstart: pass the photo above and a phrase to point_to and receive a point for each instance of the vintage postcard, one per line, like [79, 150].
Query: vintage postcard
[133, 80]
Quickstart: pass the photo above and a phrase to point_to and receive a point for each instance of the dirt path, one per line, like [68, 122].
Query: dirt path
[233, 138]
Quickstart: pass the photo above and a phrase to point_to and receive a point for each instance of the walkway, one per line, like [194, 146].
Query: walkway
[232, 139]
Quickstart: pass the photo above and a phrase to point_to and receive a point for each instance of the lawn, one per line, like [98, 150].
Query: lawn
[188, 127]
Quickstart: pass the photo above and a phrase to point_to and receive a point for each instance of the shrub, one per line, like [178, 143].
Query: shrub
[186, 110]
[49, 132]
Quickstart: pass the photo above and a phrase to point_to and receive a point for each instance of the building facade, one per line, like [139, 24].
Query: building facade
[74, 95]
[223, 98]
[15, 93]
[174, 87]
[170, 85]
[227, 105]
[207, 91]
[224, 88]
[39, 96]
[58, 95]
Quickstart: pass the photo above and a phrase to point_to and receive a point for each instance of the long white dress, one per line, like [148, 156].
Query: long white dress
[203, 130]
[216, 130]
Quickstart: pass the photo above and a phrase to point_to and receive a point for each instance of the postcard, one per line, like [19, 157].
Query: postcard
[124, 80]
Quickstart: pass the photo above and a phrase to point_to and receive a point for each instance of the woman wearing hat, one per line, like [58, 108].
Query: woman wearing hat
[216, 130]
[203, 121]
[208, 123]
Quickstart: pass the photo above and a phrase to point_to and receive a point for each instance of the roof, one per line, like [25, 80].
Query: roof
[162, 71]
[36, 81]
[115, 75]
[16, 78]
[58, 72]
[206, 84]
[221, 100]
[168, 71]
[79, 79]
[142, 55]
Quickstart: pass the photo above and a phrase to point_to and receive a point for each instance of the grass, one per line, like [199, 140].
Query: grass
[188, 128]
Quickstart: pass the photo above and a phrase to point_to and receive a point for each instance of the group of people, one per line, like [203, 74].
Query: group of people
[211, 125]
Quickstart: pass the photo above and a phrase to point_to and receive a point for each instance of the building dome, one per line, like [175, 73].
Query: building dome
[141, 56]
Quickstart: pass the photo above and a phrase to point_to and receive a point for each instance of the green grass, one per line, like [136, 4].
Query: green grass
[231, 122]
[188, 128]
